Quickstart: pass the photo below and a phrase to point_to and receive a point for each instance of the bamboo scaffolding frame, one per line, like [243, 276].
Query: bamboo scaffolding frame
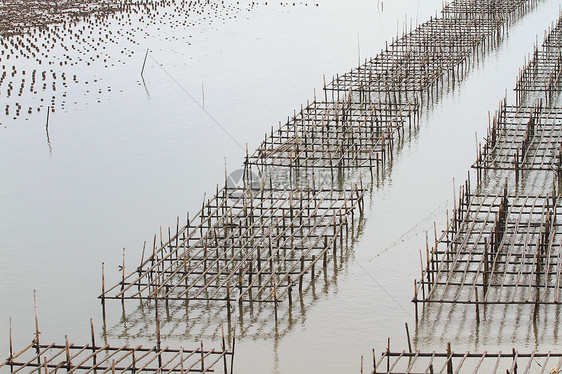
[541, 74]
[250, 245]
[450, 362]
[437, 50]
[505, 246]
[92, 358]
[336, 135]
[523, 138]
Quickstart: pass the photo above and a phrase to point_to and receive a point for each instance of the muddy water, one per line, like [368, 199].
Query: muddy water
[123, 157]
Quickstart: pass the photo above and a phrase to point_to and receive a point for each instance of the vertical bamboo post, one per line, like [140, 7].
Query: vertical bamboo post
[181, 361]
[388, 355]
[67, 351]
[38, 348]
[123, 272]
[301, 276]
[408, 336]
[202, 358]
[11, 348]
[94, 358]
[416, 298]
[477, 305]
[233, 346]
[158, 341]
[449, 359]
[103, 291]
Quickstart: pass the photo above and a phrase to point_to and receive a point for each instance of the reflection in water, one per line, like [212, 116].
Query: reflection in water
[497, 325]
[47, 131]
[195, 320]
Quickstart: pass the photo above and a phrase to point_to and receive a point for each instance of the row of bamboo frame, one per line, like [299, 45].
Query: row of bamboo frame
[365, 110]
[242, 245]
[541, 74]
[246, 245]
[436, 52]
[94, 357]
[259, 242]
[503, 243]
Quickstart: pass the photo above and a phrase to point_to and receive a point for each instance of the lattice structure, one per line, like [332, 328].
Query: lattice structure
[93, 358]
[450, 362]
[502, 250]
[335, 135]
[541, 75]
[419, 60]
[483, 8]
[246, 245]
[523, 138]
[51, 358]
[553, 36]
[499, 247]
[438, 48]
[377, 98]
[199, 320]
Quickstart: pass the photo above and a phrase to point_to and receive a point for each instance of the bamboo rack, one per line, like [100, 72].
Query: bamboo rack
[438, 51]
[540, 77]
[103, 358]
[246, 245]
[448, 361]
[484, 8]
[502, 246]
[336, 135]
[505, 248]
[522, 138]
[365, 110]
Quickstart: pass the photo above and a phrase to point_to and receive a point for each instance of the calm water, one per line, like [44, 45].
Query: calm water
[122, 158]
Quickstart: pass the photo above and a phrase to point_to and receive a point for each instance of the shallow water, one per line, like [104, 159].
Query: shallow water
[115, 166]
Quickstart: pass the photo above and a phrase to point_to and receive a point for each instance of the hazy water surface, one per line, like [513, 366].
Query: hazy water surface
[122, 158]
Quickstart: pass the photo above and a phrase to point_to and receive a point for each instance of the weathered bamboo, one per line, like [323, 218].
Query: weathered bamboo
[465, 362]
[248, 240]
[90, 358]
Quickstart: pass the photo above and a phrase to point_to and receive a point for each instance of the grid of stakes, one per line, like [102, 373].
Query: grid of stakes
[103, 358]
[482, 8]
[356, 128]
[183, 319]
[441, 48]
[522, 138]
[450, 362]
[498, 249]
[246, 245]
[16, 15]
[437, 49]
[336, 135]
[502, 248]
[541, 74]
[370, 105]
